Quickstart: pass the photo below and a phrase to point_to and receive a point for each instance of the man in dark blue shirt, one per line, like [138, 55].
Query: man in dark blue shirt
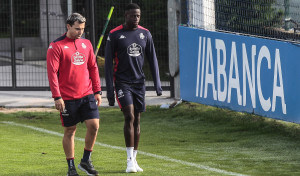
[126, 47]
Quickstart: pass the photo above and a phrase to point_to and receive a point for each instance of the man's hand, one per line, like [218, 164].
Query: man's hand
[98, 99]
[159, 91]
[111, 101]
[60, 105]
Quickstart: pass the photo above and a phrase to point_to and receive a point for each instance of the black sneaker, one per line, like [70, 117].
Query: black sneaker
[72, 172]
[88, 168]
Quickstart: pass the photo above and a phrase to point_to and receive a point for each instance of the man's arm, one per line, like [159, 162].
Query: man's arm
[53, 60]
[109, 53]
[151, 56]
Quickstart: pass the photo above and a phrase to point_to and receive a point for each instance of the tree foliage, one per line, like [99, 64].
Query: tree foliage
[257, 17]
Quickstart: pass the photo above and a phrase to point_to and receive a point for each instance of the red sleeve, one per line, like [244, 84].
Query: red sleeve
[53, 55]
[93, 70]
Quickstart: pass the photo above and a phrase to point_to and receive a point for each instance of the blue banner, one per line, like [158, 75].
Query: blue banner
[241, 73]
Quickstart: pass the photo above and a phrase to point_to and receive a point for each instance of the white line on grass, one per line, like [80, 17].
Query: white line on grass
[122, 148]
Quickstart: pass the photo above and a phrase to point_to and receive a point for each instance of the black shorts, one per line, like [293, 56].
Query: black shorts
[79, 110]
[128, 94]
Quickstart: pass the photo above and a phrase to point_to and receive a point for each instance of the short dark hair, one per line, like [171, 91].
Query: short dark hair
[75, 17]
[132, 6]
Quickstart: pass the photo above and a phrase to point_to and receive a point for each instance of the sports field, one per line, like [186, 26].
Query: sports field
[190, 139]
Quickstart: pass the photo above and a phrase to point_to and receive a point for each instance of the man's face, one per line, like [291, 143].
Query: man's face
[132, 18]
[76, 30]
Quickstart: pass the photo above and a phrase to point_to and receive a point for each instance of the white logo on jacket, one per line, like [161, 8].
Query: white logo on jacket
[134, 50]
[83, 45]
[78, 58]
[122, 37]
[142, 36]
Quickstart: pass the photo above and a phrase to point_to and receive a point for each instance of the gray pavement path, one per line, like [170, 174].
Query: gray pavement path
[42, 99]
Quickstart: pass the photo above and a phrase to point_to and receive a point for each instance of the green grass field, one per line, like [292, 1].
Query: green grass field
[191, 139]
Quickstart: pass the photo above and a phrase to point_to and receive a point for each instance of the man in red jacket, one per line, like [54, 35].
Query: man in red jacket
[75, 85]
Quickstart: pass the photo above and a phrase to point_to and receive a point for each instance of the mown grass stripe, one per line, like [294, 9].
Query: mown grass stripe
[122, 148]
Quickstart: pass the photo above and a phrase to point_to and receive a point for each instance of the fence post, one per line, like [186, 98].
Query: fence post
[174, 19]
[287, 25]
[47, 24]
[12, 38]
[92, 23]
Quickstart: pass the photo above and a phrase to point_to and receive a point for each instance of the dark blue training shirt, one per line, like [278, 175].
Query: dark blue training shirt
[128, 48]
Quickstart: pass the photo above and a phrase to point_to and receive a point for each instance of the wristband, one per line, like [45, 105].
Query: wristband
[57, 98]
[99, 92]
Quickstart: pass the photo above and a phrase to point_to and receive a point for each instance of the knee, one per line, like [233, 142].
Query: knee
[128, 113]
[129, 119]
[94, 128]
[70, 131]
[92, 125]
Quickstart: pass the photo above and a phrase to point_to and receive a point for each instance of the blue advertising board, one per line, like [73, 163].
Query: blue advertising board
[241, 73]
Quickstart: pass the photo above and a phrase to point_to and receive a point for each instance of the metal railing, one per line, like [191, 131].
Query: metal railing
[29, 27]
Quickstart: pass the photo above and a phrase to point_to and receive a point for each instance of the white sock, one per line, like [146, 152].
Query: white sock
[129, 152]
[134, 154]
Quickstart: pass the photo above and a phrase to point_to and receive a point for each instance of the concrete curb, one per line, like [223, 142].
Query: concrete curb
[42, 99]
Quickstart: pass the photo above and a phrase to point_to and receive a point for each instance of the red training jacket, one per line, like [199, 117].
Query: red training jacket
[72, 68]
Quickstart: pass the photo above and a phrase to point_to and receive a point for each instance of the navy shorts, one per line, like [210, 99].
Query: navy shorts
[128, 94]
[79, 110]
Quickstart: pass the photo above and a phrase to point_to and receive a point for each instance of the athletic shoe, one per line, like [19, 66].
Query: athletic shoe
[130, 166]
[138, 169]
[88, 168]
[72, 172]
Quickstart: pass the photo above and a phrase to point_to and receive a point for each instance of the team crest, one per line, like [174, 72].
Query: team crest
[83, 46]
[120, 93]
[134, 50]
[142, 36]
[78, 58]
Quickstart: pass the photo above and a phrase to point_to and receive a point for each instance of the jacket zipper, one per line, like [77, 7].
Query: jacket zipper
[75, 44]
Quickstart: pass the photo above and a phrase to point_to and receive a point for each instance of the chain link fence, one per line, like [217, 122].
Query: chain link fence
[275, 19]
